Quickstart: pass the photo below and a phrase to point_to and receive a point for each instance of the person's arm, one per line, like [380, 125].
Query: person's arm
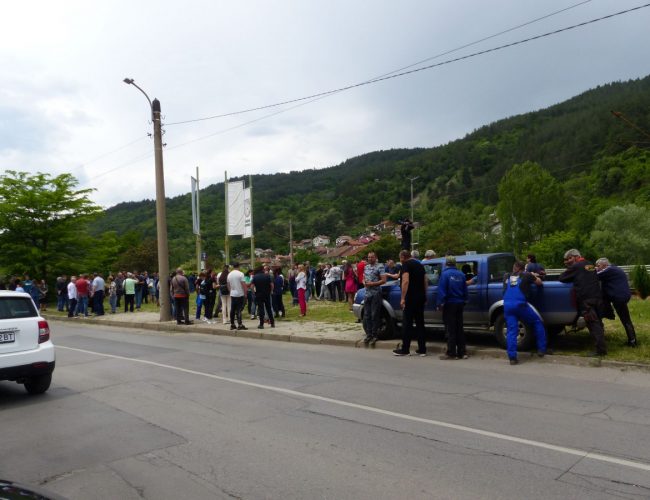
[568, 275]
[426, 287]
[245, 287]
[442, 290]
[405, 286]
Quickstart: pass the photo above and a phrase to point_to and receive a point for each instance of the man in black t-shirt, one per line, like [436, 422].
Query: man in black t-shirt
[414, 297]
[263, 284]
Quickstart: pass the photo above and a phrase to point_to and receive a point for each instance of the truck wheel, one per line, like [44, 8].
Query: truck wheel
[387, 327]
[39, 384]
[525, 339]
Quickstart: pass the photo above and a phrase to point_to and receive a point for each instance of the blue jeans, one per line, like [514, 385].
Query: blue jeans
[62, 302]
[82, 305]
[138, 297]
[112, 300]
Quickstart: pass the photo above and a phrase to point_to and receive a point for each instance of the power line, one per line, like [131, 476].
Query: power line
[104, 155]
[392, 75]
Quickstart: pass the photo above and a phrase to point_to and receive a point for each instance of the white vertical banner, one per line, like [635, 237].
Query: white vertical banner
[196, 222]
[236, 208]
[248, 214]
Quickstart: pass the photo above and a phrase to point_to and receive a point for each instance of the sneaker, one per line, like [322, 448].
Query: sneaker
[373, 341]
[422, 354]
[514, 361]
[464, 356]
[272, 325]
[260, 327]
[632, 343]
[189, 322]
[367, 339]
[597, 354]
[242, 327]
[233, 327]
[399, 352]
[447, 357]
[252, 316]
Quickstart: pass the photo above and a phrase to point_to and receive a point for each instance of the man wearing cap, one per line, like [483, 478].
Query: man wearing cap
[452, 296]
[589, 300]
[181, 293]
[616, 290]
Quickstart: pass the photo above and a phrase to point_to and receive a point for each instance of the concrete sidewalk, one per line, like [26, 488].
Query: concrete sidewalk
[314, 332]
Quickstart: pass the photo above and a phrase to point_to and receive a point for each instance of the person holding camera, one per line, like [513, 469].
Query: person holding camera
[405, 229]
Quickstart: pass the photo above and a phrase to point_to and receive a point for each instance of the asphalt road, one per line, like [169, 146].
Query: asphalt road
[136, 414]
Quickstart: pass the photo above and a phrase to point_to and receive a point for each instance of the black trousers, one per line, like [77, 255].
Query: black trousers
[452, 315]
[182, 306]
[414, 312]
[129, 301]
[278, 305]
[264, 304]
[209, 305]
[98, 303]
[624, 315]
[72, 308]
[236, 307]
[591, 312]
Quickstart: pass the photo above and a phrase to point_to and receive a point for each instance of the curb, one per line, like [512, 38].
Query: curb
[254, 333]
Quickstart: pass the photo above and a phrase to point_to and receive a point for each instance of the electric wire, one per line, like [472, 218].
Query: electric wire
[393, 75]
[104, 155]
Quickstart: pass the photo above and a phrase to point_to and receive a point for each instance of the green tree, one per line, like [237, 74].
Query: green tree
[641, 281]
[530, 205]
[41, 218]
[386, 248]
[621, 233]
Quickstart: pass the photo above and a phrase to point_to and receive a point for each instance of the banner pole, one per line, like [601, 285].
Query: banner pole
[198, 220]
[226, 246]
[250, 186]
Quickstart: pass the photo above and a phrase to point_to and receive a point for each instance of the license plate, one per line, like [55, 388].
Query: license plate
[6, 337]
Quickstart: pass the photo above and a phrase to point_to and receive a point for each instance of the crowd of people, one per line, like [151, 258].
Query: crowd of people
[599, 290]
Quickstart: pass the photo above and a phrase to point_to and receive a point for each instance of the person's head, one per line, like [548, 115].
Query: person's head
[571, 257]
[415, 254]
[450, 261]
[390, 263]
[404, 255]
[179, 271]
[225, 269]
[301, 268]
[531, 258]
[372, 258]
[602, 263]
[518, 267]
[235, 265]
[467, 269]
[429, 254]
[129, 275]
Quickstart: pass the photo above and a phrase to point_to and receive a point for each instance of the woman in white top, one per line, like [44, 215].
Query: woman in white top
[301, 287]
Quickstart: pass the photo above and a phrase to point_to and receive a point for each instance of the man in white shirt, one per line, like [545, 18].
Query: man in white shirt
[72, 295]
[238, 292]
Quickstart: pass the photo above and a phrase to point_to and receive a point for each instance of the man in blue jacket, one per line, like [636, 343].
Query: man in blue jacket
[616, 290]
[516, 287]
[452, 296]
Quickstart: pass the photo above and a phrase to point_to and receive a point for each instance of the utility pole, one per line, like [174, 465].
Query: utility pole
[412, 221]
[198, 233]
[250, 200]
[290, 243]
[161, 216]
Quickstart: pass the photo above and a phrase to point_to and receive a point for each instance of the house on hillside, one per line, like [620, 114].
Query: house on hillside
[302, 244]
[320, 241]
[342, 240]
[384, 225]
[366, 239]
[261, 252]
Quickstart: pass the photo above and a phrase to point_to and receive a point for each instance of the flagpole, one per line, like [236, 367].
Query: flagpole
[250, 200]
[226, 246]
[198, 225]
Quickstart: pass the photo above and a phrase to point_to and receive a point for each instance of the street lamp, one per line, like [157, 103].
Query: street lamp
[161, 217]
[412, 179]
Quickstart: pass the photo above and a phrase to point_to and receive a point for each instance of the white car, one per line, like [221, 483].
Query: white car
[26, 351]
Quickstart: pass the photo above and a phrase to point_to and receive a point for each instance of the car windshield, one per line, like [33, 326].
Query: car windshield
[17, 307]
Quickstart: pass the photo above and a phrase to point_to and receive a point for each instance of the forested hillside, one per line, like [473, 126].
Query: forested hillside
[576, 161]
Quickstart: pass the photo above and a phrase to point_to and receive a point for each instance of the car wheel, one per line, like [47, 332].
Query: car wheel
[39, 384]
[387, 327]
[525, 338]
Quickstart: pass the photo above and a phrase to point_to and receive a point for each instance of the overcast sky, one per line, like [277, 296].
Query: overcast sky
[64, 107]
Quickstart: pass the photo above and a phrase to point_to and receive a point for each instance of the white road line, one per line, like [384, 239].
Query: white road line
[495, 435]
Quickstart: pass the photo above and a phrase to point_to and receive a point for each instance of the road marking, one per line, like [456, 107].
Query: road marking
[438, 423]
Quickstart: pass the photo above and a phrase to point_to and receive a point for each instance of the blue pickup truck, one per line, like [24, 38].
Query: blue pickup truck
[484, 309]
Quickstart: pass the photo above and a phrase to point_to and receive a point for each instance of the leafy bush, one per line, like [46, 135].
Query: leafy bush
[641, 281]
